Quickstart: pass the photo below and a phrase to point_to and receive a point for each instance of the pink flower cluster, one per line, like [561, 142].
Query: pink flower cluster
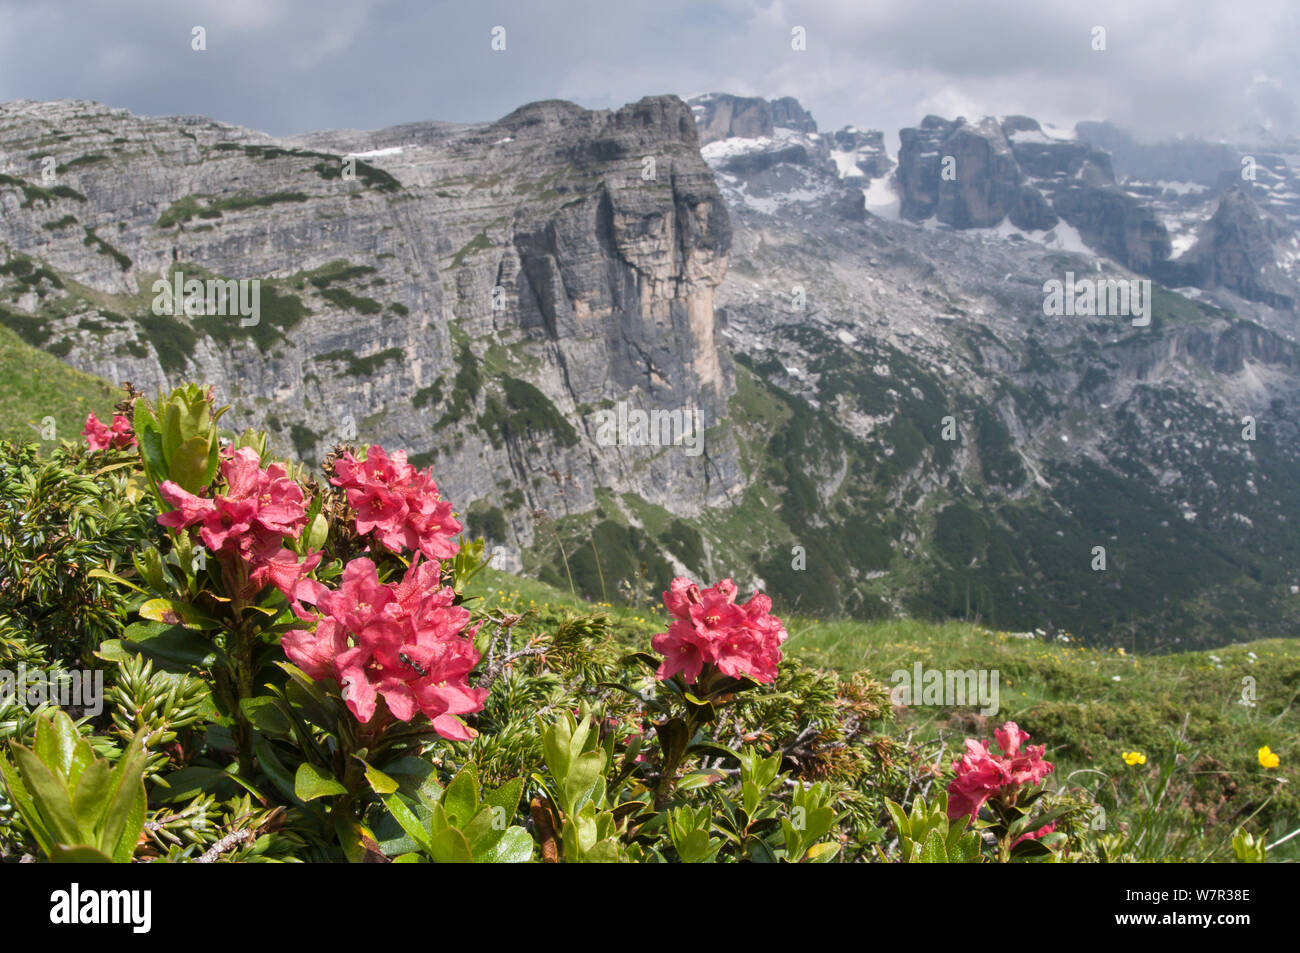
[982, 775]
[404, 642]
[119, 436]
[248, 523]
[398, 503]
[710, 628]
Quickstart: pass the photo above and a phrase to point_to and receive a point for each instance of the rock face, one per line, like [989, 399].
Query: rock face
[867, 148]
[1238, 249]
[476, 294]
[721, 116]
[1013, 170]
[980, 184]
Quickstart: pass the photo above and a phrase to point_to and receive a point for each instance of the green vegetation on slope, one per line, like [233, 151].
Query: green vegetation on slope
[35, 385]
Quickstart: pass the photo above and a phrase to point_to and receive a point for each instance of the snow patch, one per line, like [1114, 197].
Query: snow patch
[377, 153]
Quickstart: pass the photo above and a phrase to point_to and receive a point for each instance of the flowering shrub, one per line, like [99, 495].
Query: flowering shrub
[303, 669]
[710, 629]
[247, 524]
[982, 774]
[119, 436]
[402, 646]
[397, 503]
[1007, 783]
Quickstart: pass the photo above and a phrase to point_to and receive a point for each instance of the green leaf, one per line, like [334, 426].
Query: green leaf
[52, 800]
[90, 797]
[125, 813]
[55, 741]
[311, 782]
[188, 464]
[514, 847]
[318, 532]
[172, 648]
[132, 826]
[263, 714]
[698, 779]
[449, 847]
[935, 850]
[409, 823]
[80, 854]
[506, 797]
[379, 782]
[23, 801]
[187, 783]
[105, 574]
[160, 610]
[274, 769]
[461, 798]
[585, 774]
[823, 853]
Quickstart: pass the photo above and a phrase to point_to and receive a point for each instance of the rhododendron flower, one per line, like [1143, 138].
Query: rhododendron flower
[249, 521]
[398, 503]
[710, 628]
[119, 436]
[404, 643]
[982, 774]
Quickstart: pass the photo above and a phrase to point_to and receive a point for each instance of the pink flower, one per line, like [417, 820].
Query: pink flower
[119, 436]
[982, 775]
[249, 521]
[710, 628]
[398, 503]
[404, 643]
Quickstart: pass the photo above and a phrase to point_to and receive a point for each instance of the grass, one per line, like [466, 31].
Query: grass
[35, 385]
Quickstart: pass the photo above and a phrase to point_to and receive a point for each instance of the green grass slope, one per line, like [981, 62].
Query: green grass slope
[35, 385]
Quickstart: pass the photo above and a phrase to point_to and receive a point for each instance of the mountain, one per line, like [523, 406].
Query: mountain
[474, 293]
[872, 302]
[889, 418]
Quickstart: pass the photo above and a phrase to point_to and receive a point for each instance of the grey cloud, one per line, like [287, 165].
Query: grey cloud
[288, 66]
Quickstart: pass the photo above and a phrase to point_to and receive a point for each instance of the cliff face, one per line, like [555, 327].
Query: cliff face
[473, 293]
[1011, 170]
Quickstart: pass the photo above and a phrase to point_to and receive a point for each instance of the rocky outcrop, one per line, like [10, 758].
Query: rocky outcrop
[1014, 170]
[787, 113]
[962, 174]
[473, 293]
[722, 116]
[1237, 250]
[868, 149]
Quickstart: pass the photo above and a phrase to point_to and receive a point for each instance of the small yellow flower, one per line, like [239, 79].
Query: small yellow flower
[1121, 651]
[1134, 757]
[1267, 759]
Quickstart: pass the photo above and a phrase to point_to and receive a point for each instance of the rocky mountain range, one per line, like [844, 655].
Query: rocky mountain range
[891, 418]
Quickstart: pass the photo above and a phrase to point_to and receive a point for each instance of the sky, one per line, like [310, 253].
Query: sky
[1169, 67]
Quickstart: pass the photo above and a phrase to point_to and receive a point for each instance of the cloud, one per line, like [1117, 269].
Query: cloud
[289, 66]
